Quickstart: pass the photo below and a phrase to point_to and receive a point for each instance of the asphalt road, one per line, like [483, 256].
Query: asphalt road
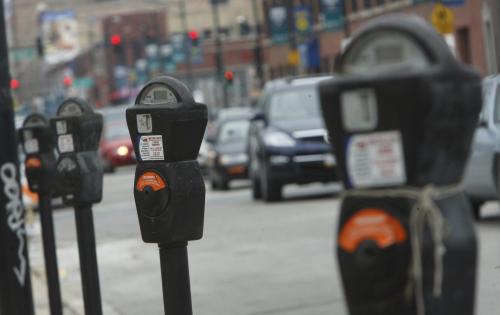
[254, 258]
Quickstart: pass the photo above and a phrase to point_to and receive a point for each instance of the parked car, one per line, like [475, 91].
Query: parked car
[288, 140]
[482, 175]
[116, 146]
[227, 156]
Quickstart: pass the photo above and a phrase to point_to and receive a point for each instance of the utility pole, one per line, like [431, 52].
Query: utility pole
[15, 282]
[189, 65]
[219, 60]
[293, 55]
[258, 45]
[347, 25]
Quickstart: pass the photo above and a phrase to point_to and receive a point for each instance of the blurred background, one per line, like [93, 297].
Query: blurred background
[256, 64]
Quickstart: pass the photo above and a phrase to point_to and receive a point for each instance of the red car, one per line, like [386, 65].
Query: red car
[116, 147]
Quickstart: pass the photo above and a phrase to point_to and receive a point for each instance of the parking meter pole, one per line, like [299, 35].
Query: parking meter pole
[49, 250]
[88, 259]
[175, 279]
[166, 126]
[15, 284]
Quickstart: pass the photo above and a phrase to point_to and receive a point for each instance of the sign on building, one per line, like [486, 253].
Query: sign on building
[59, 35]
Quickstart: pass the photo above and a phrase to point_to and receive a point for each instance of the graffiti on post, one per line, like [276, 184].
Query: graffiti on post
[15, 216]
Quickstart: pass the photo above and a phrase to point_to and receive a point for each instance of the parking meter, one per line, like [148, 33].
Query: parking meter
[77, 131]
[166, 126]
[37, 141]
[401, 113]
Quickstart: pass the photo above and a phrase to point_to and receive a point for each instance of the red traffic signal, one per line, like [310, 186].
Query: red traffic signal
[115, 40]
[15, 84]
[67, 80]
[193, 35]
[229, 76]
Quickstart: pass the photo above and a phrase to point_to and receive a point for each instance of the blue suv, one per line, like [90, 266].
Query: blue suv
[288, 141]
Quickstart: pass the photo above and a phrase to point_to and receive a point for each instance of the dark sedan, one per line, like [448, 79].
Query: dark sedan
[227, 158]
[288, 141]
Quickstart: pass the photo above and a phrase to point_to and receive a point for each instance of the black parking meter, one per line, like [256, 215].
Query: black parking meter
[37, 141]
[78, 131]
[167, 126]
[401, 114]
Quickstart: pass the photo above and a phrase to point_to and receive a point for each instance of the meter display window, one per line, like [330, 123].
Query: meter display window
[385, 51]
[294, 105]
[159, 94]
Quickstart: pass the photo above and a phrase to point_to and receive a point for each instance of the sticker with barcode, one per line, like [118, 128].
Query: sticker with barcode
[31, 146]
[61, 127]
[151, 148]
[65, 143]
[144, 123]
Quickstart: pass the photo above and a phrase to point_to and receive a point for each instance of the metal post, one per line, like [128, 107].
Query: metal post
[291, 33]
[347, 25]
[258, 45]
[15, 282]
[219, 59]
[175, 279]
[88, 259]
[189, 65]
[49, 250]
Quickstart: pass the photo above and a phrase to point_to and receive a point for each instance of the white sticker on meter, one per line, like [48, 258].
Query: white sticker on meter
[144, 123]
[151, 148]
[31, 146]
[61, 127]
[359, 110]
[376, 159]
[65, 143]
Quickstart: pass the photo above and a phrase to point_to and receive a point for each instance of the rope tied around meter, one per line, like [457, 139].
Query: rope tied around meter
[425, 212]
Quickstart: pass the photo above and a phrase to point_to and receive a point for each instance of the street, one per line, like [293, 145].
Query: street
[254, 258]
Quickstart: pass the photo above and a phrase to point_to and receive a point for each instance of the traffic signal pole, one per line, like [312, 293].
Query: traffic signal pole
[219, 59]
[258, 45]
[15, 282]
[189, 65]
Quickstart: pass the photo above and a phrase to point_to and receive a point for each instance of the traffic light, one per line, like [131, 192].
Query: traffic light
[229, 76]
[115, 40]
[67, 81]
[15, 84]
[194, 38]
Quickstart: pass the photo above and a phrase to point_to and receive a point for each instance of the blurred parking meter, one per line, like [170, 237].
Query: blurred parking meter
[78, 132]
[167, 126]
[401, 114]
[37, 142]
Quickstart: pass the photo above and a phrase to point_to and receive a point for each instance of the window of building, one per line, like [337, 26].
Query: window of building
[367, 4]
[354, 6]
[380, 2]
[463, 45]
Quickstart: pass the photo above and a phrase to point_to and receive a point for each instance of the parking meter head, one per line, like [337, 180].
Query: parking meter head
[166, 124]
[79, 168]
[78, 128]
[38, 144]
[402, 110]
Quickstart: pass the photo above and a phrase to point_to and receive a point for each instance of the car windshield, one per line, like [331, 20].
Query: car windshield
[233, 130]
[294, 104]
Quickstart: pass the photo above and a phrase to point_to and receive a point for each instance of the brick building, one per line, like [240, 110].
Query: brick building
[469, 34]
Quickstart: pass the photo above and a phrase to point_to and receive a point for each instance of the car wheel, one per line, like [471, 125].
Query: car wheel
[271, 191]
[107, 166]
[476, 209]
[213, 184]
[256, 190]
[223, 184]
